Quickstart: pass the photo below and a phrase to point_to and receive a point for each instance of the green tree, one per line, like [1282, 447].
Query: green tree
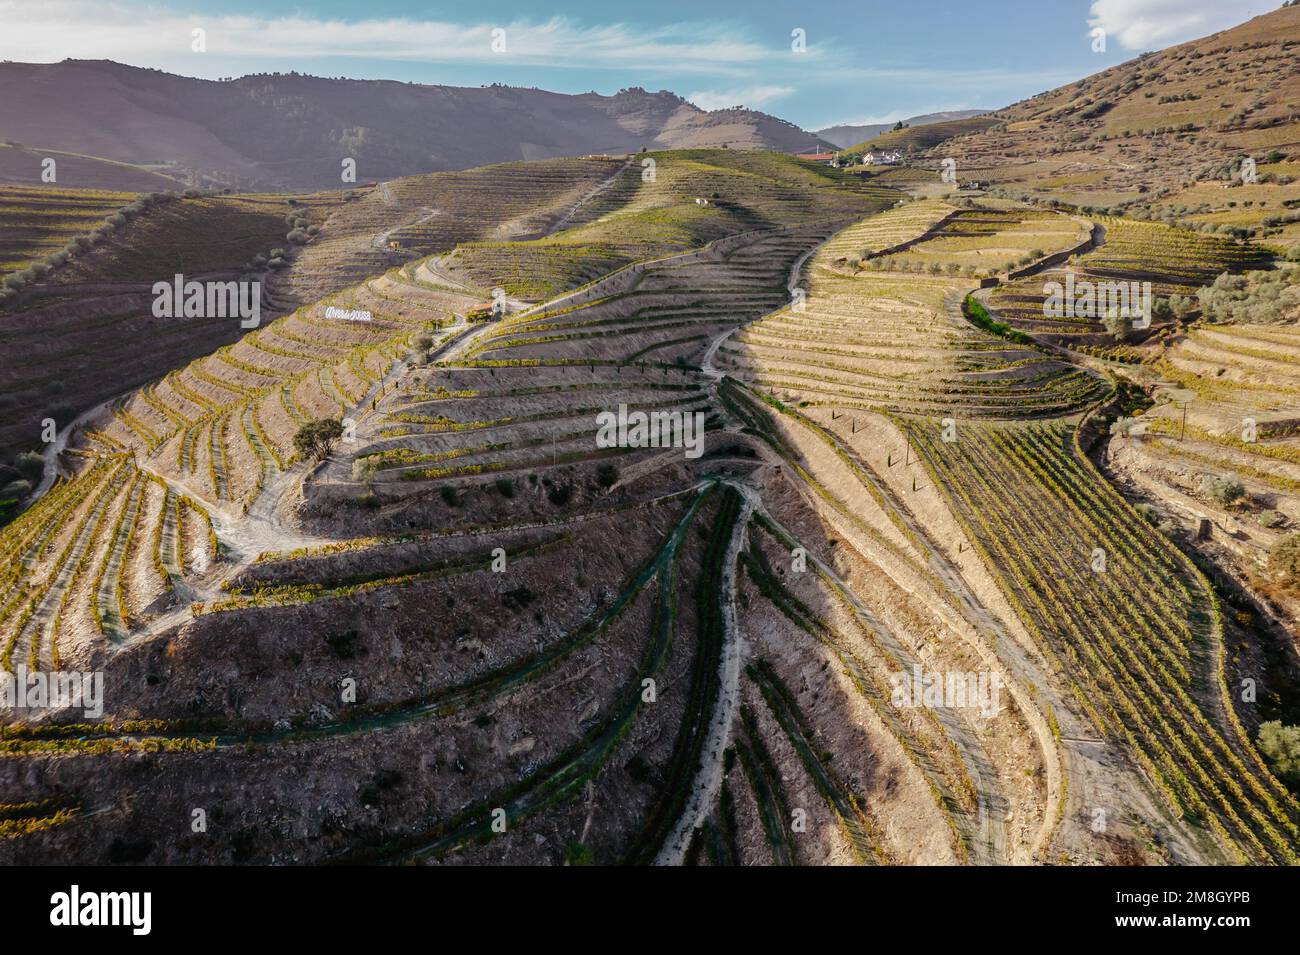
[1281, 746]
[316, 439]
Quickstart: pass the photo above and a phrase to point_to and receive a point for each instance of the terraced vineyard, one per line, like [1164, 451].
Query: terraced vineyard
[476, 630]
[1137, 667]
[886, 339]
[36, 221]
[92, 312]
[1175, 263]
[680, 200]
[1227, 410]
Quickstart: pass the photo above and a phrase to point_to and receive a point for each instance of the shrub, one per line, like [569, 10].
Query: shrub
[505, 486]
[1182, 305]
[518, 599]
[343, 644]
[1116, 325]
[1284, 560]
[1124, 427]
[15, 490]
[560, 494]
[1271, 518]
[30, 465]
[1149, 513]
[1222, 489]
[578, 854]
[606, 475]
[449, 495]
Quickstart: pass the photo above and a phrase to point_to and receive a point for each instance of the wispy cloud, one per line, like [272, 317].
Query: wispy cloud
[1152, 24]
[755, 97]
[147, 35]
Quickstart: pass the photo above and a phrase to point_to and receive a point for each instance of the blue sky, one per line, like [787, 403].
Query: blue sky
[864, 61]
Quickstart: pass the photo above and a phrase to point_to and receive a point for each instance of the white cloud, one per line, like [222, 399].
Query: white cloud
[133, 32]
[754, 97]
[1154, 24]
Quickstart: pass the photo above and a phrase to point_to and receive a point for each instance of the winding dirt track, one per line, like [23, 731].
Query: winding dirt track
[708, 779]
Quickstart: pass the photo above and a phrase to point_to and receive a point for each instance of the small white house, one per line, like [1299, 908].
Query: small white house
[882, 158]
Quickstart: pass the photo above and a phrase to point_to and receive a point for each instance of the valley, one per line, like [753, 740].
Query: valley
[951, 579]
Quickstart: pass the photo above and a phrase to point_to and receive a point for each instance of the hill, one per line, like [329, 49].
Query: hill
[917, 138]
[70, 338]
[238, 133]
[1165, 135]
[23, 166]
[846, 136]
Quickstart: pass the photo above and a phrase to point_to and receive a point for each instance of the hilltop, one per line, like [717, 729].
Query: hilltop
[238, 132]
[912, 139]
[1167, 131]
[845, 136]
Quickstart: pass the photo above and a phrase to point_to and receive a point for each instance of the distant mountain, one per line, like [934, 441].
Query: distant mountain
[846, 136]
[292, 131]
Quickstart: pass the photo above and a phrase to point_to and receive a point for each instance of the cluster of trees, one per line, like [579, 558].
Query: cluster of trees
[260, 264]
[300, 227]
[1262, 297]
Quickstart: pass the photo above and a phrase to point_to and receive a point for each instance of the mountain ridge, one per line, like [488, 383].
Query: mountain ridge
[233, 132]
